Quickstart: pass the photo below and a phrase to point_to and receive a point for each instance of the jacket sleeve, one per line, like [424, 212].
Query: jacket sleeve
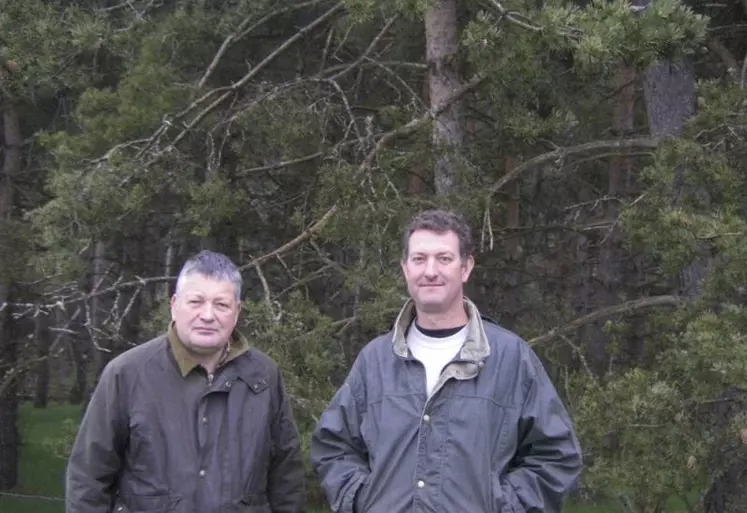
[98, 451]
[547, 463]
[285, 480]
[338, 452]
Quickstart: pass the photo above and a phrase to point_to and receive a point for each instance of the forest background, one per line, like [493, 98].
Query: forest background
[598, 149]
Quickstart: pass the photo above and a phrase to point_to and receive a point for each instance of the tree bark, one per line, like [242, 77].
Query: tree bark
[99, 341]
[610, 269]
[9, 439]
[669, 89]
[79, 357]
[442, 41]
[513, 213]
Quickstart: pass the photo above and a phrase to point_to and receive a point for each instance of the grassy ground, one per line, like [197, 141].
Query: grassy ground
[41, 471]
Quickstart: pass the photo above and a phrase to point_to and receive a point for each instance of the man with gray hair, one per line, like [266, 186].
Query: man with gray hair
[193, 421]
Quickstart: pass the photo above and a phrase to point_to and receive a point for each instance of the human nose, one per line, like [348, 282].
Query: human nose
[206, 312]
[430, 267]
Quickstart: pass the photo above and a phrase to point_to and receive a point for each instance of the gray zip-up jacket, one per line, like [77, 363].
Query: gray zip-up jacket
[493, 437]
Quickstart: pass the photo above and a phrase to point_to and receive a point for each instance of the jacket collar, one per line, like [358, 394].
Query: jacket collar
[476, 347]
[237, 346]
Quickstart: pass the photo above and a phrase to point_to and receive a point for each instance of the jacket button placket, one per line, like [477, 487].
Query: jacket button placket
[421, 466]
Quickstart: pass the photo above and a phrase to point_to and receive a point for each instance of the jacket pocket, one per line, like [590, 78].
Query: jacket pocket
[255, 503]
[359, 500]
[499, 503]
[146, 504]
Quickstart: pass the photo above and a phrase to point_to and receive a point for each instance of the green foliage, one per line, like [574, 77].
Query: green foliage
[645, 429]
[15, 249]
[614, 31]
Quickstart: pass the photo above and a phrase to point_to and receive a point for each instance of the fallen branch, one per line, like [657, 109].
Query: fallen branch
[626, 307]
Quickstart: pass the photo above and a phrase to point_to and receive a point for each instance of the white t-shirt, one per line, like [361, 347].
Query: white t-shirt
[434, 353]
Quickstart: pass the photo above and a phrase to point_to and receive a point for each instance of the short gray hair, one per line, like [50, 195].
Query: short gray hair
[211, 265]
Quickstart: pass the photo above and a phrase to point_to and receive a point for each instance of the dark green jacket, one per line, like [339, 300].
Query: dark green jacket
[158, 437]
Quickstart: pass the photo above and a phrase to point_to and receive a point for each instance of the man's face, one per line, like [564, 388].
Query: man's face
[205, 312]
[435, 272]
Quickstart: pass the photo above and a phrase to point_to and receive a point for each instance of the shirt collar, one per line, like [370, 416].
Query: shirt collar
[237, 345]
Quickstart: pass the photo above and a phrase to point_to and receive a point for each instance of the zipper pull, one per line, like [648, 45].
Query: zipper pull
[210, 378]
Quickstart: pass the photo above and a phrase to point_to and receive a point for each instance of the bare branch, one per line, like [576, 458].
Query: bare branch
[716, 46]
[306, 234]
[626, 307]
[285, 163]
[368, 50]
[268, 295]
[622, 145]
[242, 31]
[416, 123]
[254, 71]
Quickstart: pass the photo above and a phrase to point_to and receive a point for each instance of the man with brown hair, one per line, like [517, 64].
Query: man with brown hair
[447, 412]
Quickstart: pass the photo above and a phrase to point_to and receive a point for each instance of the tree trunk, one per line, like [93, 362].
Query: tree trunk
[610, 269]
[513, 211]
[9, 439]
[79, 357]
[669, 88]
[168, 268]
[441, 33]
[43, 341]
[99, 340]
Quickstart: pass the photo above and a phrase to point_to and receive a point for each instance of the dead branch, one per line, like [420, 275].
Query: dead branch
[306, 234]
[268, 296]
[242, 31]
[254, 71]
[368, 50]
[715, 45]
[285, 163]
[626, 307]
[143, 282]
[416, 123]
[620, 145]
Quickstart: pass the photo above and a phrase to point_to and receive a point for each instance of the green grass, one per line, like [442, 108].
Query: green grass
[42, 471]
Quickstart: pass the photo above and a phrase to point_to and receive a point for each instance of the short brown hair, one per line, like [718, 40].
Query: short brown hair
[441, 221]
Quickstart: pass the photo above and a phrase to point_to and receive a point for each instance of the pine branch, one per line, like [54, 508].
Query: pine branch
[367, 51]
[416, 123]
[622, 146]
[626, 307]
[254, 71]
[242, 31]
[142, 282]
